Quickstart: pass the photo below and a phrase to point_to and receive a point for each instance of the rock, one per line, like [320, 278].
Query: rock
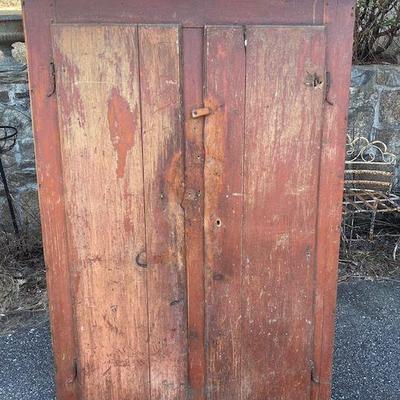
[389, 112]
[362, 75]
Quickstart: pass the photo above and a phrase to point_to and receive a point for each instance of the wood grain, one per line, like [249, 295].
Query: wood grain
[116, 181]
[37, 16]
[223, 141]
[160, 82]
[339, 19]
[192, 13]
[281, 165]
[99, 116]
[193, 205]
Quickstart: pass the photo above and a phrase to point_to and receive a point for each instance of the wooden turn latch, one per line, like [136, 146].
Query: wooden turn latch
[200, 112]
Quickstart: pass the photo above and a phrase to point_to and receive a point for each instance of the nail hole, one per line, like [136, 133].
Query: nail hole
[175, 302]
[218, 222]
[218, 276]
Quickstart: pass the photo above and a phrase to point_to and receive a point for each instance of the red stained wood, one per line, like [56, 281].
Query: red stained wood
[193, 205]
[37, 17]
[133, 255]
[192, 13]
[103, 184]
[281, 165]
[339, 19]
[223, 202]
[160, 82]
[121, 130]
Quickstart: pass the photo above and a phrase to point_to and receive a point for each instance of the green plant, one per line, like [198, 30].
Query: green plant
[376, 28]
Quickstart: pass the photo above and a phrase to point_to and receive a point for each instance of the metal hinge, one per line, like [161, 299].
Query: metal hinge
[53, 79]
[314, 377]
[328, 87]
[74, 372]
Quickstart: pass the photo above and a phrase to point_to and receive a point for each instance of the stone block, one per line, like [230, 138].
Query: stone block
[388, 76]
[389, 112]
[362, 75]
[4, 97]
[361, 121]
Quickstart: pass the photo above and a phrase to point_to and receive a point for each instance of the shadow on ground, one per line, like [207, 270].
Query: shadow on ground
[367, 351]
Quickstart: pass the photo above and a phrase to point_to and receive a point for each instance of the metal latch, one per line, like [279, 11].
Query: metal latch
[200, 112]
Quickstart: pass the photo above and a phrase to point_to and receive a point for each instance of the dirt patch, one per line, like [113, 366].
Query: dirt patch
[377, 258]
[22, 280]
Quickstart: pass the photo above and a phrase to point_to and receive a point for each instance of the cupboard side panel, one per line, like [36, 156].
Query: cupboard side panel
[339, 19]
[281, 169]
[160, 82]
[223, 141]
[99, 117]
[37, 16]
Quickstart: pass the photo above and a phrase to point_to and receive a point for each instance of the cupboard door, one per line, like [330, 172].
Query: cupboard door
[118, 89]
[262, 155]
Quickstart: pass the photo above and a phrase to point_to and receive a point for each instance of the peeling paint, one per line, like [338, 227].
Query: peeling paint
[122, 128]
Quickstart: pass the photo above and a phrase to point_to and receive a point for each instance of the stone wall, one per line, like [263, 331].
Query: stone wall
[19, 163]
[374, 113]
[375, 106]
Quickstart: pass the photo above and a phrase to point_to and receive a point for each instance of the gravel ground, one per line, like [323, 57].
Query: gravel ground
[26, 364]
[367, 351]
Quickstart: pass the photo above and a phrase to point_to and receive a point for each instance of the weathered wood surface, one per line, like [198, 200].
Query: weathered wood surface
[192, 41]
[223, 202]
[181, 363]
[123, 206]
[192, 13]
[281, 165]
[37, 17]
[100, 126]
[160, 81]
[339, 20]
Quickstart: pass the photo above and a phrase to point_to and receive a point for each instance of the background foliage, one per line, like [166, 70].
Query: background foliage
[377, 31]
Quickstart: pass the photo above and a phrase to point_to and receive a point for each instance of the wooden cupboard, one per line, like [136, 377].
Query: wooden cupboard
[190, 162]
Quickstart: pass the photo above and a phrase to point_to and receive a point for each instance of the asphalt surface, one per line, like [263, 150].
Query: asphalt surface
[26, 364]
[367, 351]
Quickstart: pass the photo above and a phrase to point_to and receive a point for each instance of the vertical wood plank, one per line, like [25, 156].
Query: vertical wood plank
[281, 167]
[160, 75]
[194, 207]
[339, 19]
[37, 16]
[99, 112]
[223, 141]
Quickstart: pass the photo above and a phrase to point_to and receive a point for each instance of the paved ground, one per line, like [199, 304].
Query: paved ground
[367, 353]
[26, 365]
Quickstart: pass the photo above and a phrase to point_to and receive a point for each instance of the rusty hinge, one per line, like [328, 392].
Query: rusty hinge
[314, 377]
[200, 112]
[327, 87]
[53, 79]
[74, 372]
